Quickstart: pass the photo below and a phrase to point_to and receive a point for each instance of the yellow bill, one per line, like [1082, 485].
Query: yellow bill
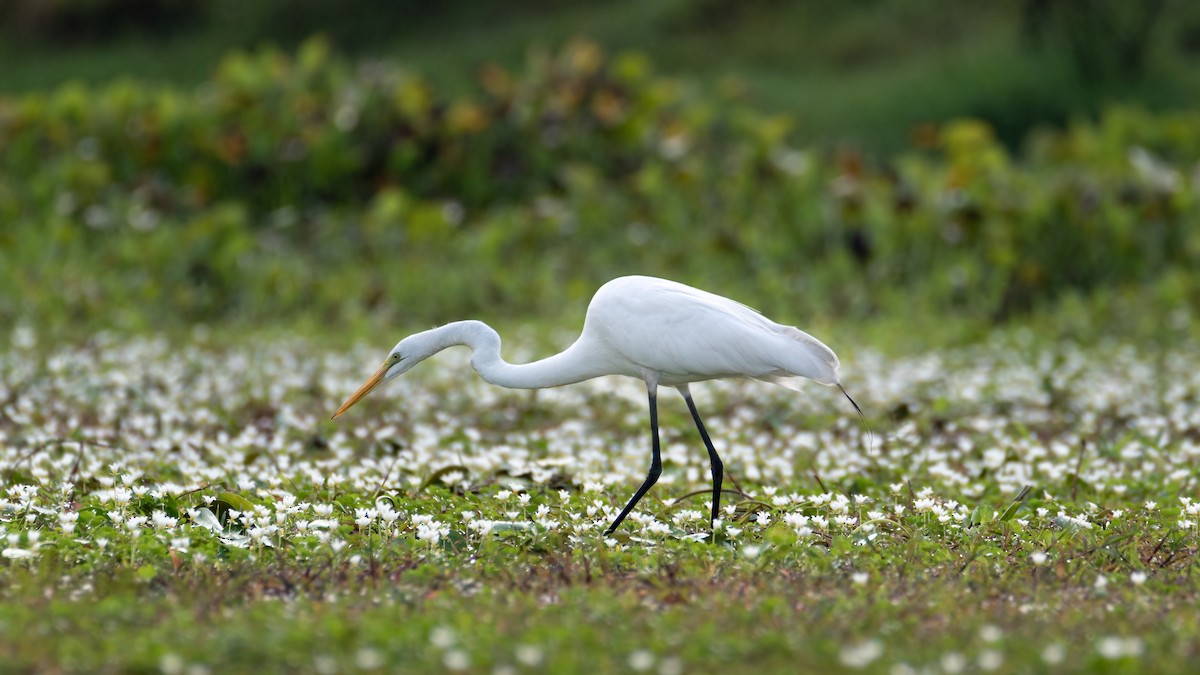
[366, 388]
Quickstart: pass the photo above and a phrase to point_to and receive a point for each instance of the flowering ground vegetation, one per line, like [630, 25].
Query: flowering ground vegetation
[1017, 506]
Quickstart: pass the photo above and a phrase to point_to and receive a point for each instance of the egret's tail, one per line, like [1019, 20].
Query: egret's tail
[813, 359]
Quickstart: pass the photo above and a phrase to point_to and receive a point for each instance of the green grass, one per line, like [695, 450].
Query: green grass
[219, 522]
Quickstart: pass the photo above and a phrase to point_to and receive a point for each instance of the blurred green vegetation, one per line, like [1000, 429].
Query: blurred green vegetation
[864, 72]
[311, 187]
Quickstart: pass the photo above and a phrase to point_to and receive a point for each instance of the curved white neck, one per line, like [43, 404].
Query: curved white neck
[575, 364]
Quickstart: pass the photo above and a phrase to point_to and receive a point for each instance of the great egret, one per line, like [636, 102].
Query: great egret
[659, 331]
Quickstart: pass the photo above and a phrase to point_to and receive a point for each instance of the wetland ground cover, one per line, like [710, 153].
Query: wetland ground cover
[190, 269]
[1019, 506]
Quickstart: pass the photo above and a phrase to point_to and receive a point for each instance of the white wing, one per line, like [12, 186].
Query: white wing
[686, 334]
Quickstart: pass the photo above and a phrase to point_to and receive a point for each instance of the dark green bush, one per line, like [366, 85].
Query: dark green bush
[308, 186]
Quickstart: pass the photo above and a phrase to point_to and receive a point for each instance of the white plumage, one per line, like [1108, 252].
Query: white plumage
[659, 331]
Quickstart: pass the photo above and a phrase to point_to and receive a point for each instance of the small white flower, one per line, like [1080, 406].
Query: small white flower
[1138, 577]
[672, 665]
[529, 655]
[456, 659]
[368, 659]
[860, 655]
[1114, 647]
[162, 521]
[1054, 653]
[953, 662]
[641, 660]
[66, 520]
[990, 659]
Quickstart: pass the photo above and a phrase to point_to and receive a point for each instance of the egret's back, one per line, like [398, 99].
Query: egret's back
[686, 335]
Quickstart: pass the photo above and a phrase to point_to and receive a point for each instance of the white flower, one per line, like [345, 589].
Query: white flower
[1138, 577]
[1113, 647]
[368, 659]
[162, 521]
[953, 662]
[388, 514]
[860, 655]
[1054, 653]
[432, 532]
[364, 517]
[442, 637]
[990, 659]
[134, 525]
[456, 659]
[529, 655]
[66, 520]
[641, 660]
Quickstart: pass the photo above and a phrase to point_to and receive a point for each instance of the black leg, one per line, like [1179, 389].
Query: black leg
[655, 466]
[718, 468]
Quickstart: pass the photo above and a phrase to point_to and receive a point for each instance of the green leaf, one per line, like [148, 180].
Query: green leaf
[1015, 505]
[236, 501]
[980, 515]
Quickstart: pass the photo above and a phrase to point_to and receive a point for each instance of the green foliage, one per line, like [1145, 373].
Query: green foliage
[181, 508]
[310, 186]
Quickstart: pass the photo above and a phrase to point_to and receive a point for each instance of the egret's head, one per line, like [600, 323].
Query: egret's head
[398, 362]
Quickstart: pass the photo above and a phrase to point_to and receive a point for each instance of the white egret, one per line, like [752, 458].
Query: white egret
[658, 331]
